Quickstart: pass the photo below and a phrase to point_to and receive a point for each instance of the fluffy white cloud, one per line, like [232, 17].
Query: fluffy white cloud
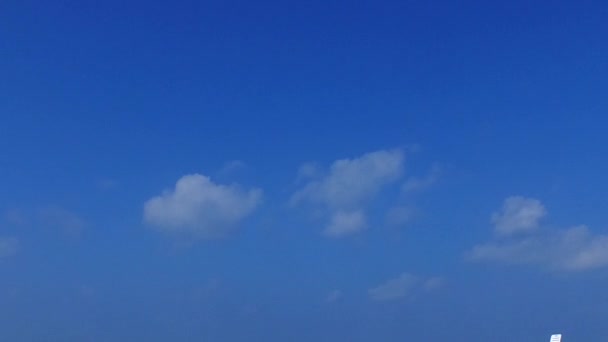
[402, 286]
[345, 223]
[197, 206]
[518, 215]
[348, 186]
[8, 246]
[572, 249]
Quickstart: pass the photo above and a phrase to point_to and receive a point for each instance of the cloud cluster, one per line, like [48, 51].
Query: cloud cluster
[518, 215]
[571, 249]
[403, 286]
[8, 246]
[199, 207]
[346, 188]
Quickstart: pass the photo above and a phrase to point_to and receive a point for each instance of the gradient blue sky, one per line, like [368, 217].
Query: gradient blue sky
[303, 171]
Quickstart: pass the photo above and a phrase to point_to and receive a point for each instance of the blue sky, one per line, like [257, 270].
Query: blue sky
[303, 171]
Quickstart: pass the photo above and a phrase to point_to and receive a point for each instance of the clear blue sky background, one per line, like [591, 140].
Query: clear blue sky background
[106, 105]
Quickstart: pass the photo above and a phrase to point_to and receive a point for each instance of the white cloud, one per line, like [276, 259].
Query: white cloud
[8, 246]
[518, 215]
[568, 250]
[345, 223]
[348, 186]
[403, 286]
[350, 182]
[573, 249]
[197, 206]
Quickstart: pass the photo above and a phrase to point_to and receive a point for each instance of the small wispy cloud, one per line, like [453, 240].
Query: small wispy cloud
[421, 183]
[567, 250]
[232, 167]
[433, 283]
[308, 171]
[198, 207]
[347, 187]
[344, 223]
[403, 286]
